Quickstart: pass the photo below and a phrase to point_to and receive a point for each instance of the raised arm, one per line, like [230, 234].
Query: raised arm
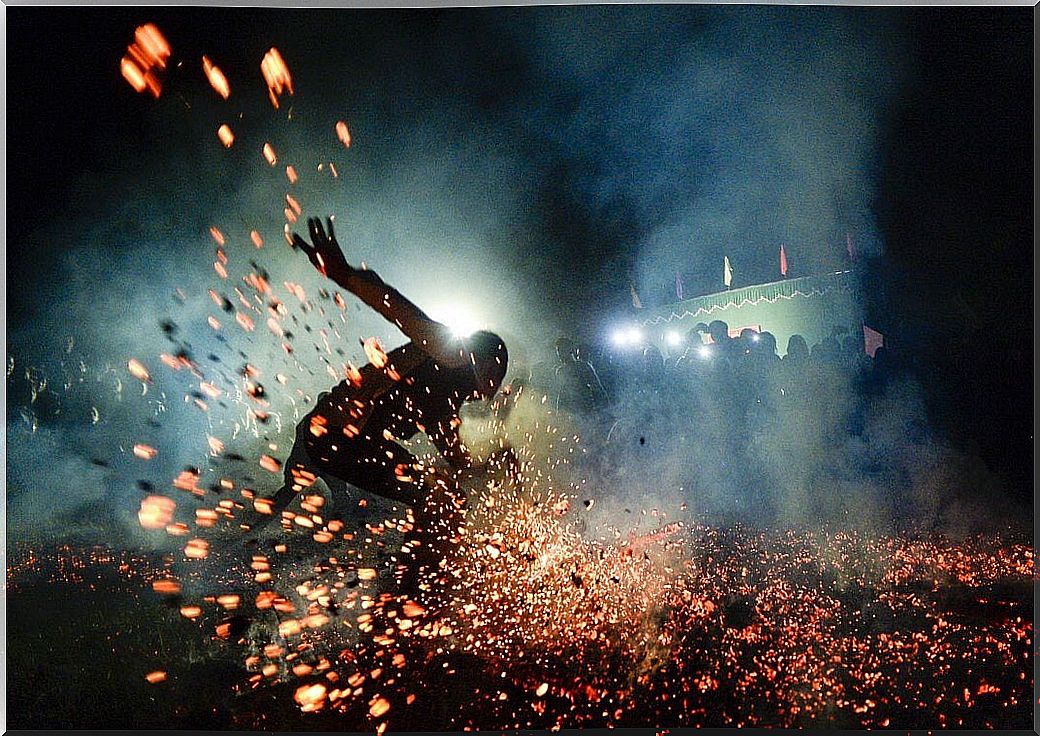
[326, 256]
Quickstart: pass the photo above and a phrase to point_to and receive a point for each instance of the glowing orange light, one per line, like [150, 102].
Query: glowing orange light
[257, 240]
[269, 154]
[343, 133]
[145, 452]
[133, 74]
[225, 135]
[276, 75]
[310, 695]
[374, 351]
[269, 463]
[156, 512]
[216, 78]
[156, 677]
[138, 371]
[145, 57]
[196, 549]
[166, 586]
[379, 707]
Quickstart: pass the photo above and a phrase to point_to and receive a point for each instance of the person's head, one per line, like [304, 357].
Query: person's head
[797, 348]
[767, 344]
[489, 360]
[719, 331]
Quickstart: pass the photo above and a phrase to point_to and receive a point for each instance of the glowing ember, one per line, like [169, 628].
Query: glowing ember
[225, 135]
[216, 78]
[276, 75]
[156, 677]
[145, 60]
[145, 452]
[269, 154]
[167, 586]
[374, 352]
[196, 549]
[138, 371]
[269, 463]
[156, 512]
[343, 133]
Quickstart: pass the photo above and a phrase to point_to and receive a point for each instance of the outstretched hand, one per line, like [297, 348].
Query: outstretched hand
[323, 250]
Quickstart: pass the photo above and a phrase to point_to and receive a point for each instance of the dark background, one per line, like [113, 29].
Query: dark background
[952, 291]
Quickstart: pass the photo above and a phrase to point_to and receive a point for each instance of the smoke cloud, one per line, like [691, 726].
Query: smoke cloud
[521, 165]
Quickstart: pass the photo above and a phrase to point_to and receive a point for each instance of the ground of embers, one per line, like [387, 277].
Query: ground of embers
[696, 626]
[532, 626]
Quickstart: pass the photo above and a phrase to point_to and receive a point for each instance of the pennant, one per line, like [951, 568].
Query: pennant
[783, 261]
[635, 297]
[727, 272]
[678, 286]
[872, 340]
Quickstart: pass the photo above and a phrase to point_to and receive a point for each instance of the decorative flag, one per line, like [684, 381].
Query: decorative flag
[783, 261]
[678, 286]
[848, 246]
[872, 340]
[727, 272]
[635, 297]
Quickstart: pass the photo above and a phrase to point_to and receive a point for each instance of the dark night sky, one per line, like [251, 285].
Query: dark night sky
[953, 200]
[946, 186]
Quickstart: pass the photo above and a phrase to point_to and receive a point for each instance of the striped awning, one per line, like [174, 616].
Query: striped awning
[701, 308]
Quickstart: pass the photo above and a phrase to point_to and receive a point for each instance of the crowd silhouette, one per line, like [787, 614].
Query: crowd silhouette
[723, 414]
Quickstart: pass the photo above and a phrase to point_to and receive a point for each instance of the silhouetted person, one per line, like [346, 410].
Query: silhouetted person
[351, 434]
[577, 384]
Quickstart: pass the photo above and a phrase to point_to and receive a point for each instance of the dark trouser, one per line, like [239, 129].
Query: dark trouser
[383, 468]
[367, 465]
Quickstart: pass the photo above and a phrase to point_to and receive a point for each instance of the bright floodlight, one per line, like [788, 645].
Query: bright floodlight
[635, 335]
[459, 319]
[673, 338]
[620, 337]
[704, 351]
[754, 338]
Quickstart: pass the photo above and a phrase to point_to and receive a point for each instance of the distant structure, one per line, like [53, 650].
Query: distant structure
[812, 306]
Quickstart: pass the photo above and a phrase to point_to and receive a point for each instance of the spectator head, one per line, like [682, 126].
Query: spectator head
[797, 349]
[767, 344]
[719, 331]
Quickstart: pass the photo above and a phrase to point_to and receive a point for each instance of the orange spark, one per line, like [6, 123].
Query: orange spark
[379, 707]
[196, 549]
[276, 75]
[310, 695]
[269, 154]
[156, 677]
[145, 452]
[156, 512]
[374, 351]
[257, 240]
[269, 463]
[138, 371]
[225, 135]
[166, 586]
[290, 172]
[144, 59]
[133, 74]
[216, 78]
[343, 133]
